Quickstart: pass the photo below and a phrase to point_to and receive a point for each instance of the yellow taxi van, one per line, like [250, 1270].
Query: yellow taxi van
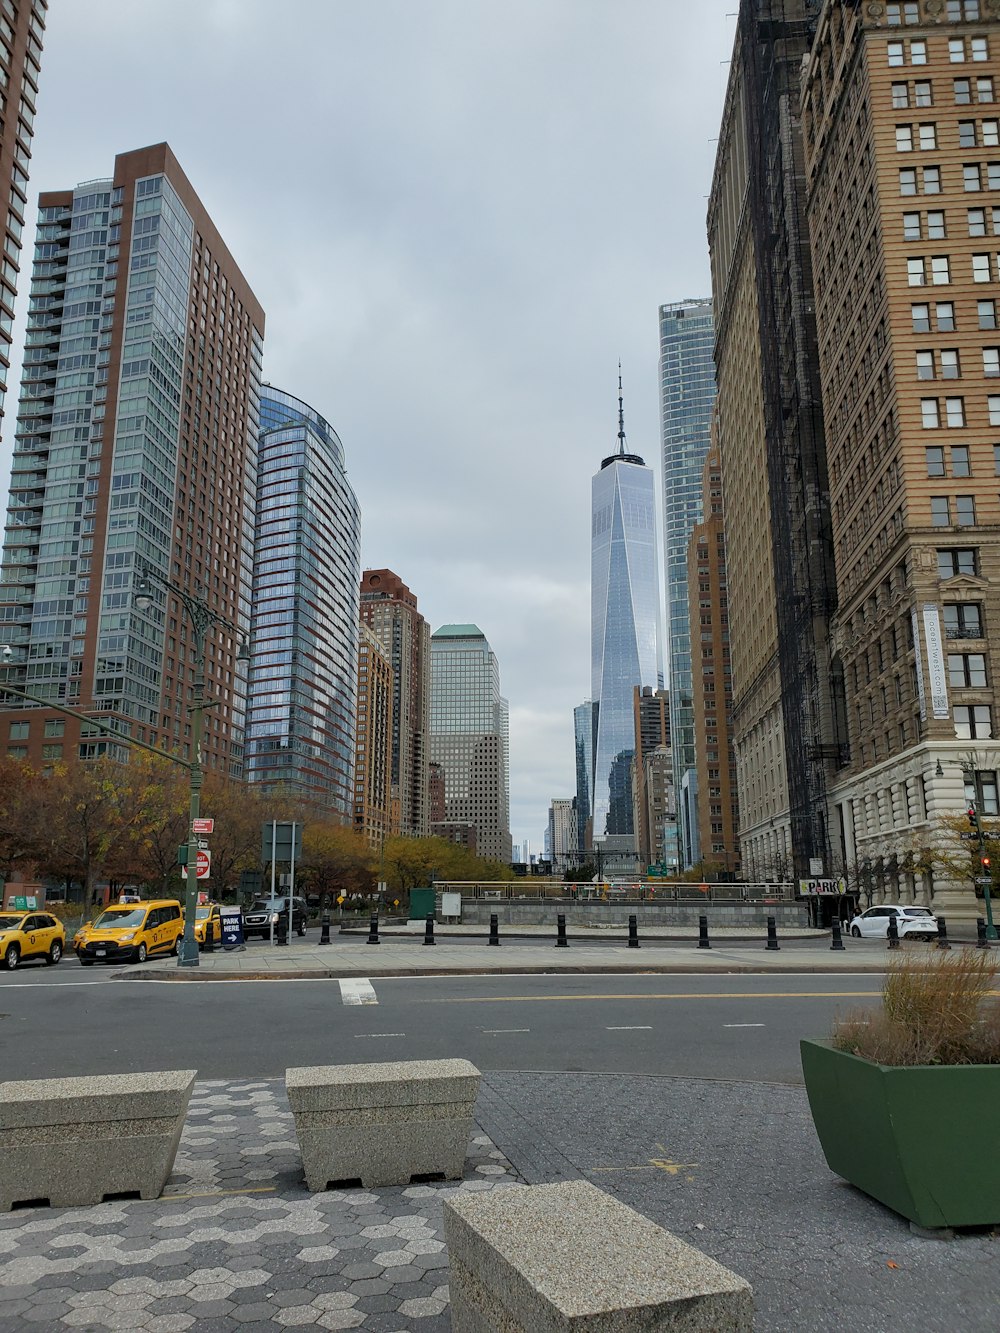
[131, 932]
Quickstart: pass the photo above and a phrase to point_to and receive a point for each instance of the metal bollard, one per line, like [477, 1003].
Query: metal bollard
[981, 933]
[942, 939]
[281, 929]
[892, 933]
[838, 939]
[772, 934]
[373, 931]
[209, 937]
[703, 933]
[324, 928]
[494, 930]
[633, 932]
[429, 929]
[561, 941]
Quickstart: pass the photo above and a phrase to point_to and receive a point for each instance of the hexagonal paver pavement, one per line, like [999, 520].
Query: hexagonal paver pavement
[236, 1242]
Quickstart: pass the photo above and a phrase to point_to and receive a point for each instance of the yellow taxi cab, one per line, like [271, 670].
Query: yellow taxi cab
[25, 935]
[130, 932]
[208, 924]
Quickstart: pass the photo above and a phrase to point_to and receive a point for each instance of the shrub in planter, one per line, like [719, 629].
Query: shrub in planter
[904, 1098]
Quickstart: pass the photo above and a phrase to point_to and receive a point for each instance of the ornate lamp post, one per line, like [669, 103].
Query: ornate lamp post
[202, 619]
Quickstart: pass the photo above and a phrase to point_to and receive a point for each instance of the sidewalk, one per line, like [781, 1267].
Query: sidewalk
[237, 1242]
[398, 956]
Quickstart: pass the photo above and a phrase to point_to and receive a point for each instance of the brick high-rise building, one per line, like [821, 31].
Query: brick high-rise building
[901, 131]
[652, 772]
[136, 443]
[712, 693]
[389, 610]
[376, 813]
[22, 31]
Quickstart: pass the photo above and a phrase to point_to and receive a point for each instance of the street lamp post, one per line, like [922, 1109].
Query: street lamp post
[202, 619]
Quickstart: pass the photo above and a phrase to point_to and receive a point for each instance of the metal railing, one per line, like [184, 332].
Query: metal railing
[660, 891]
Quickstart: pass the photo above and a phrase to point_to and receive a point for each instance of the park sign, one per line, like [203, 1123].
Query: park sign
[821, 888]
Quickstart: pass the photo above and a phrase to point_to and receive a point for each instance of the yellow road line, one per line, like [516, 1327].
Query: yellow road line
[666, 995]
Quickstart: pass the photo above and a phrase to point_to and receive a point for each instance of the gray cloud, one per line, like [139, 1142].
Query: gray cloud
[457, 215]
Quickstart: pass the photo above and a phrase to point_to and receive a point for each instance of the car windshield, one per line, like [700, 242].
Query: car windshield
[8, 922]
[203, 912]
[268, 905]
[118, 918]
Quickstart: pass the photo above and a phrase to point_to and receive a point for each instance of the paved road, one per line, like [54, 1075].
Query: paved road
[57, 1021]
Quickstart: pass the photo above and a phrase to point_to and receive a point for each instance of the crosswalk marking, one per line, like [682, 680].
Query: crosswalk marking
[357, 990]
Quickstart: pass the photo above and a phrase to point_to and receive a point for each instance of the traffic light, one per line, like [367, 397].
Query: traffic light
[973, 815]
[985, 863]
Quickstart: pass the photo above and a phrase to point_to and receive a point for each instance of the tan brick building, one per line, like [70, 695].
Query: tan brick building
[376, 812]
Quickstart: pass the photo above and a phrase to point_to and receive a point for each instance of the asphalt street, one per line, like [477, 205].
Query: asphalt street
[67, 1021]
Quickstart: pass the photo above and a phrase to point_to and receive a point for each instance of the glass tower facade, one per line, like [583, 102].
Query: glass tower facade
[583, 738]
[624, 589]
[470, 736]
[687, 393]
[307, 567]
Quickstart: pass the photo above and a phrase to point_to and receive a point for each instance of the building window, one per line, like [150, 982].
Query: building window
[925, 365]
[922, 93]
[918, 53]
[977, 221]
[920, 318]
[963, 9]
[915, 273]
[990, 132]
[967, 671]
[984, 89]
[993, 175]
[18, 731]
[935, 226]
[979, 48]
[970, 177]
[927, 136]
[935, 461]
[17, 752]
[894, 51]
[905, 12]
[965, 511]
[940, 270]
[980, 268]
[908, 181]
[945, 314]
[981, 787]
[993, 403]
[987, 311]
[950, 368]
[932, 180]
[960, 461]
[911, 227]
[953, 562]
[991, 362]
[973, 721]
[904, 138]
[963, 92]
[54, 726]
[956, 50]
[52, 751]
[963, 620]
[940, 511]
[900, 96]
[966, 134]
[954, 412]
[929, 418]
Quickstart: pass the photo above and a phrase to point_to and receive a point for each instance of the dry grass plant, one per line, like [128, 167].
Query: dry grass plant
[935, 1011]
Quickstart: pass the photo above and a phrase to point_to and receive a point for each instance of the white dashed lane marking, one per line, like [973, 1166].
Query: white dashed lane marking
[634, 1027]
[744, 1025]
[357, 990]
[365, 1035]
[498, 1032]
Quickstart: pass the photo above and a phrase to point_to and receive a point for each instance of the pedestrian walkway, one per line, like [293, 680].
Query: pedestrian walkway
[406, 955]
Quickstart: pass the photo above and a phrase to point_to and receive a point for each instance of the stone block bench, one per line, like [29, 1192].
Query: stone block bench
[73, 1141]
[555, 1258]
[382, 1124]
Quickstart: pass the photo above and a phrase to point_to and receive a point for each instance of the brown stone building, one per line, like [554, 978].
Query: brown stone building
[712, 693]
[653, 796]
[390, 611]
[376, 811]
[136, 445]
[901, 127]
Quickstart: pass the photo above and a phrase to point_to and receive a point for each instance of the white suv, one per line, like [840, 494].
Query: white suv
[916, 923]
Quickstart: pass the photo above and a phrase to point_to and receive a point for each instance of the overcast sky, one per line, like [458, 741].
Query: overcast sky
[458, 215]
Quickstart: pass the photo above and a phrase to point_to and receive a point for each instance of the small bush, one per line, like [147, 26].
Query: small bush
[939, 1011]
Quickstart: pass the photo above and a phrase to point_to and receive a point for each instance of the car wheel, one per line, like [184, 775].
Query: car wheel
[173, 948]
[12, 957]
[856, 932]
[301, 930]
[54, 954]
[140, 954]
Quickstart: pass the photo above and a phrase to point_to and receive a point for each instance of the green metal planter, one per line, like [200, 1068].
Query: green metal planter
[916, 1139]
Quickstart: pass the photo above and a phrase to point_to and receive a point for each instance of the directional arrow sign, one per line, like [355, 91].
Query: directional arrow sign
[969, 837]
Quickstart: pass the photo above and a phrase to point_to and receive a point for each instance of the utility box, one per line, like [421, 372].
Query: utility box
[422, 903]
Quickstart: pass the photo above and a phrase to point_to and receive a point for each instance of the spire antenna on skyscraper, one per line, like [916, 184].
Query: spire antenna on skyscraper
[621, 412]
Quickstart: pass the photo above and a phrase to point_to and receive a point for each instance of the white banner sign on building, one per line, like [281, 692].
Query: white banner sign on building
[918, 662]
[935, 661]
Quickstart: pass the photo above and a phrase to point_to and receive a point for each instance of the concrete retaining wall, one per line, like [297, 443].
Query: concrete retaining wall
[477, 911]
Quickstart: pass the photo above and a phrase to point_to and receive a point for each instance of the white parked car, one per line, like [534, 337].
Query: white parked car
[913, 923]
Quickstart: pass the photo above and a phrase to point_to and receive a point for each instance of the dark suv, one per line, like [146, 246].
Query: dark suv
[257, 917]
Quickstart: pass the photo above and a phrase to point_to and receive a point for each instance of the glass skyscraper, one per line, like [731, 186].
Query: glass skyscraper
[583, 738]
[624, 593]
[687, 393]
[470, 737]
[307, 567]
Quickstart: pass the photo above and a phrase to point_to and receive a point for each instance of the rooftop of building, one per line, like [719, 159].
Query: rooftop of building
[458, 632]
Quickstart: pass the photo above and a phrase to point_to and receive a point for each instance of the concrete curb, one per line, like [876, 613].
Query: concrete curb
[336, 974]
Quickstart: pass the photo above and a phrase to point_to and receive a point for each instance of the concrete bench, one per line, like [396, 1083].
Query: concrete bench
[553, 1258]
[75, 1140]
[382, 1124]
